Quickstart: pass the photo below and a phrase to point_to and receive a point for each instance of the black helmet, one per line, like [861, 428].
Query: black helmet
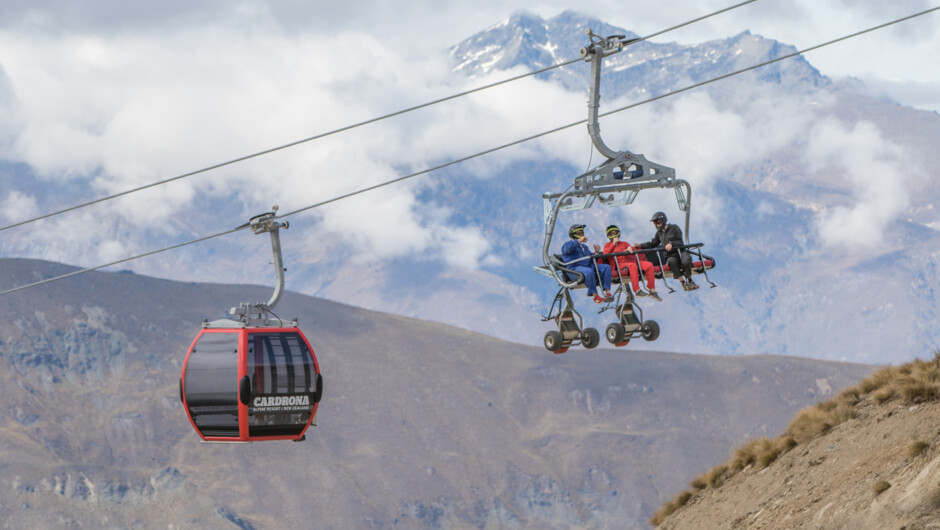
[610, 229]
[658, 216]
[575, 228]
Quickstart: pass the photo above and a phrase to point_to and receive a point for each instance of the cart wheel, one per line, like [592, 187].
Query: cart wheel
[590, 338]
[554, 340]
[615, 333]
[650, 330]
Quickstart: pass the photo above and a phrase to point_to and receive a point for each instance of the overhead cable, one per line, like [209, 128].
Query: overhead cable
[476, 155]
[346, 128]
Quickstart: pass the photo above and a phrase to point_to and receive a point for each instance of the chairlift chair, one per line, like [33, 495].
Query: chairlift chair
[616, 182]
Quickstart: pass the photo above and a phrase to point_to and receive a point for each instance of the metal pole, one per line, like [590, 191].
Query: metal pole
[599, 49]
[278, 268]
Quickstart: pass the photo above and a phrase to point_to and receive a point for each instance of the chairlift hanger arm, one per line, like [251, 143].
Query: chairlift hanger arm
[260, 224]
[599, 48]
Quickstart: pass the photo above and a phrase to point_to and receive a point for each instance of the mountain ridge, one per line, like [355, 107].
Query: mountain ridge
[642, 70]
[422, 424]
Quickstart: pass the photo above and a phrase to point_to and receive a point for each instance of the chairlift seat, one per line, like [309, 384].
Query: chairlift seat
[698, 267]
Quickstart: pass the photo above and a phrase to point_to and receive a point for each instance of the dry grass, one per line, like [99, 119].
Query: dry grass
[912, 383]
[917, 391]
[670, 507]
[760, 452]
[716, 477]
[877, 380]
[917, 448]
[662, 513]
[881, 487]
[809, 423]
[884, 395]
[698, 484]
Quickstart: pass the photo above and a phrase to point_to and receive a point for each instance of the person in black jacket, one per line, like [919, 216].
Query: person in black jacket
[669, 236]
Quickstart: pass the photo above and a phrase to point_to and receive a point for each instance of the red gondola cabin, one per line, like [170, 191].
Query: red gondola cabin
[246, 384]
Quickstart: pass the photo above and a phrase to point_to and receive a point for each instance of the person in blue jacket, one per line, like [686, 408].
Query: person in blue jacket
[577, 248]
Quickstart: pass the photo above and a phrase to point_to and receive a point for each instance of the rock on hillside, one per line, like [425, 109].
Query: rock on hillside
[880, 469]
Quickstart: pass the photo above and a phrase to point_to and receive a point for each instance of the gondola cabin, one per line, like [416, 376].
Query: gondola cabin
[247, 384]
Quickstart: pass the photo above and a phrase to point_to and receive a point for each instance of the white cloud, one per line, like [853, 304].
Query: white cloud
[18, 207]
[871, 165]
[82, 239]
[498, 116]
[901, 52]
[924, 95]
[124, 110]
[464, 248]
[703, 142]
[110, 250]
[121, 97]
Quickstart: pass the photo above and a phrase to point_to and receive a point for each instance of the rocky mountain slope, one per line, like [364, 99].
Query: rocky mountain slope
[422, 425]
[876, 466]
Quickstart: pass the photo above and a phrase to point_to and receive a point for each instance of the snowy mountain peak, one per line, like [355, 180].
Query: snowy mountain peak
[529, 40]
[646, 68]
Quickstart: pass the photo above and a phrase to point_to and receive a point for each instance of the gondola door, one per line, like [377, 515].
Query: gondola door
[284, 381]
[209, 385]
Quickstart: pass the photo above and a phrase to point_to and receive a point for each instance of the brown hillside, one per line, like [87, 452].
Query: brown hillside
[421, 426]
[869, 458]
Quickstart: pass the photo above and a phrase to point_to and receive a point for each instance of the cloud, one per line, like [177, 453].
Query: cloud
[465, 248]
[18, 207]
[83, 239]
[924, 95]
[107, 99]
[501, 115]
[871, 165]
[704, 141]
[120, 111]
[12, 122]
[381, 225]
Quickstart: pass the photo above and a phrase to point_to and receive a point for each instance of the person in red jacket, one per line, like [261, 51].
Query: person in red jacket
[629, 263]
